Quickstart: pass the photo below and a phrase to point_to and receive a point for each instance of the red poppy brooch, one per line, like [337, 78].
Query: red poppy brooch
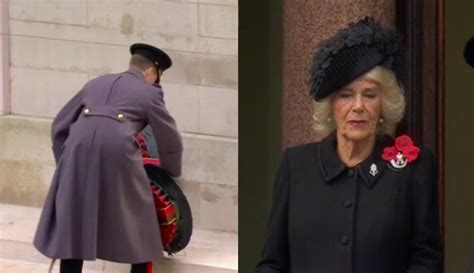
[402, 153]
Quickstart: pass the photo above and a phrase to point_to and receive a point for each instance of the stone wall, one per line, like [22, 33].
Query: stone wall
[303, 30]
[55, 46]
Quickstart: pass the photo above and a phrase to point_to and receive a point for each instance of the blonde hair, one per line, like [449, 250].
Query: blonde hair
[393, 104]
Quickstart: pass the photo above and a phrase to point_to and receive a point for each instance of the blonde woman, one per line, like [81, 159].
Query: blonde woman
[358, 201]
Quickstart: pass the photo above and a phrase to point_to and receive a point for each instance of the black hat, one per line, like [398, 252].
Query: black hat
[156, 55]
[350, 53]
[469, 52]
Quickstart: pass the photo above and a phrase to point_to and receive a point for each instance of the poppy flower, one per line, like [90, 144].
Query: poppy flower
[403, 142]
[389, 153]
[411, 153]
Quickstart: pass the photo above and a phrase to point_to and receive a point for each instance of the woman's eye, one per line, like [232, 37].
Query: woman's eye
[345, 95]
[370, 96]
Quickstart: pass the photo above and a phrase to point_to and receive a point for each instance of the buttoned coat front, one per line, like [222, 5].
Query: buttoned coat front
[100, 204]
[371, 218]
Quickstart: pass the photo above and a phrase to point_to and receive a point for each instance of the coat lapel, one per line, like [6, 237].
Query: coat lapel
[330, 163]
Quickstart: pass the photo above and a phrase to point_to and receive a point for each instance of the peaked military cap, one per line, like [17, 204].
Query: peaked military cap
[154, 54]
[350, 53]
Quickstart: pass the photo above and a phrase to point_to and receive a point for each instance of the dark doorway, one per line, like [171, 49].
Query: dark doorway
[421, 24]
[440, 113]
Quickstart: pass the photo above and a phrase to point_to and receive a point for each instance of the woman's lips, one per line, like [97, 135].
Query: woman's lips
[357, 123]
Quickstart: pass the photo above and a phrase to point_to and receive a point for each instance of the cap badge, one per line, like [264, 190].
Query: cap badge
[400, 162]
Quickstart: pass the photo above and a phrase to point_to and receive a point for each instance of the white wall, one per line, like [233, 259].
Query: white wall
[57, 45]
[5, 60]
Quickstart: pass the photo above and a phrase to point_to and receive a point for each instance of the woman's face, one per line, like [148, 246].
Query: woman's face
[356, 109]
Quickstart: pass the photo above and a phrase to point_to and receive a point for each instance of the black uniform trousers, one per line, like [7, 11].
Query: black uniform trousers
[75, 266]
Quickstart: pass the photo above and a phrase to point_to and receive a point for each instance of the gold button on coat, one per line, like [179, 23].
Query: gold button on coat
[86, 111]
[120, 116]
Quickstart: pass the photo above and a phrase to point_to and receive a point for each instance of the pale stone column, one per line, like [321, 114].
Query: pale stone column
[306, 23]
[5, 60]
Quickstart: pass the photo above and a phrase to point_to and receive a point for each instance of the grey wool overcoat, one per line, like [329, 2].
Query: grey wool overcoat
[100, 204]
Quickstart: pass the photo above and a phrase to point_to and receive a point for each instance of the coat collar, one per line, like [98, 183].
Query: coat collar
[136, 72]
[332, 166]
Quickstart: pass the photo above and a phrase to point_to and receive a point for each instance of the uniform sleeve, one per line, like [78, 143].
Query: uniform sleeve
[62, 123]
[275, 255]
[426, 251]
[166, 134]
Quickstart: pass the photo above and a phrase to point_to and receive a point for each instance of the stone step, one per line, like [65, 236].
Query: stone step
[208, 251]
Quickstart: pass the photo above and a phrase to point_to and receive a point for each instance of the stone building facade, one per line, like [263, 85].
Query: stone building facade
[51, 48]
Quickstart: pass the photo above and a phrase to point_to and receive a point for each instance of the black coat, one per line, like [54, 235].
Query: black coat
[328, 218]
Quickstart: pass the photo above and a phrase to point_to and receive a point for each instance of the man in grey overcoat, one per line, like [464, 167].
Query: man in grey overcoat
[100, 204]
